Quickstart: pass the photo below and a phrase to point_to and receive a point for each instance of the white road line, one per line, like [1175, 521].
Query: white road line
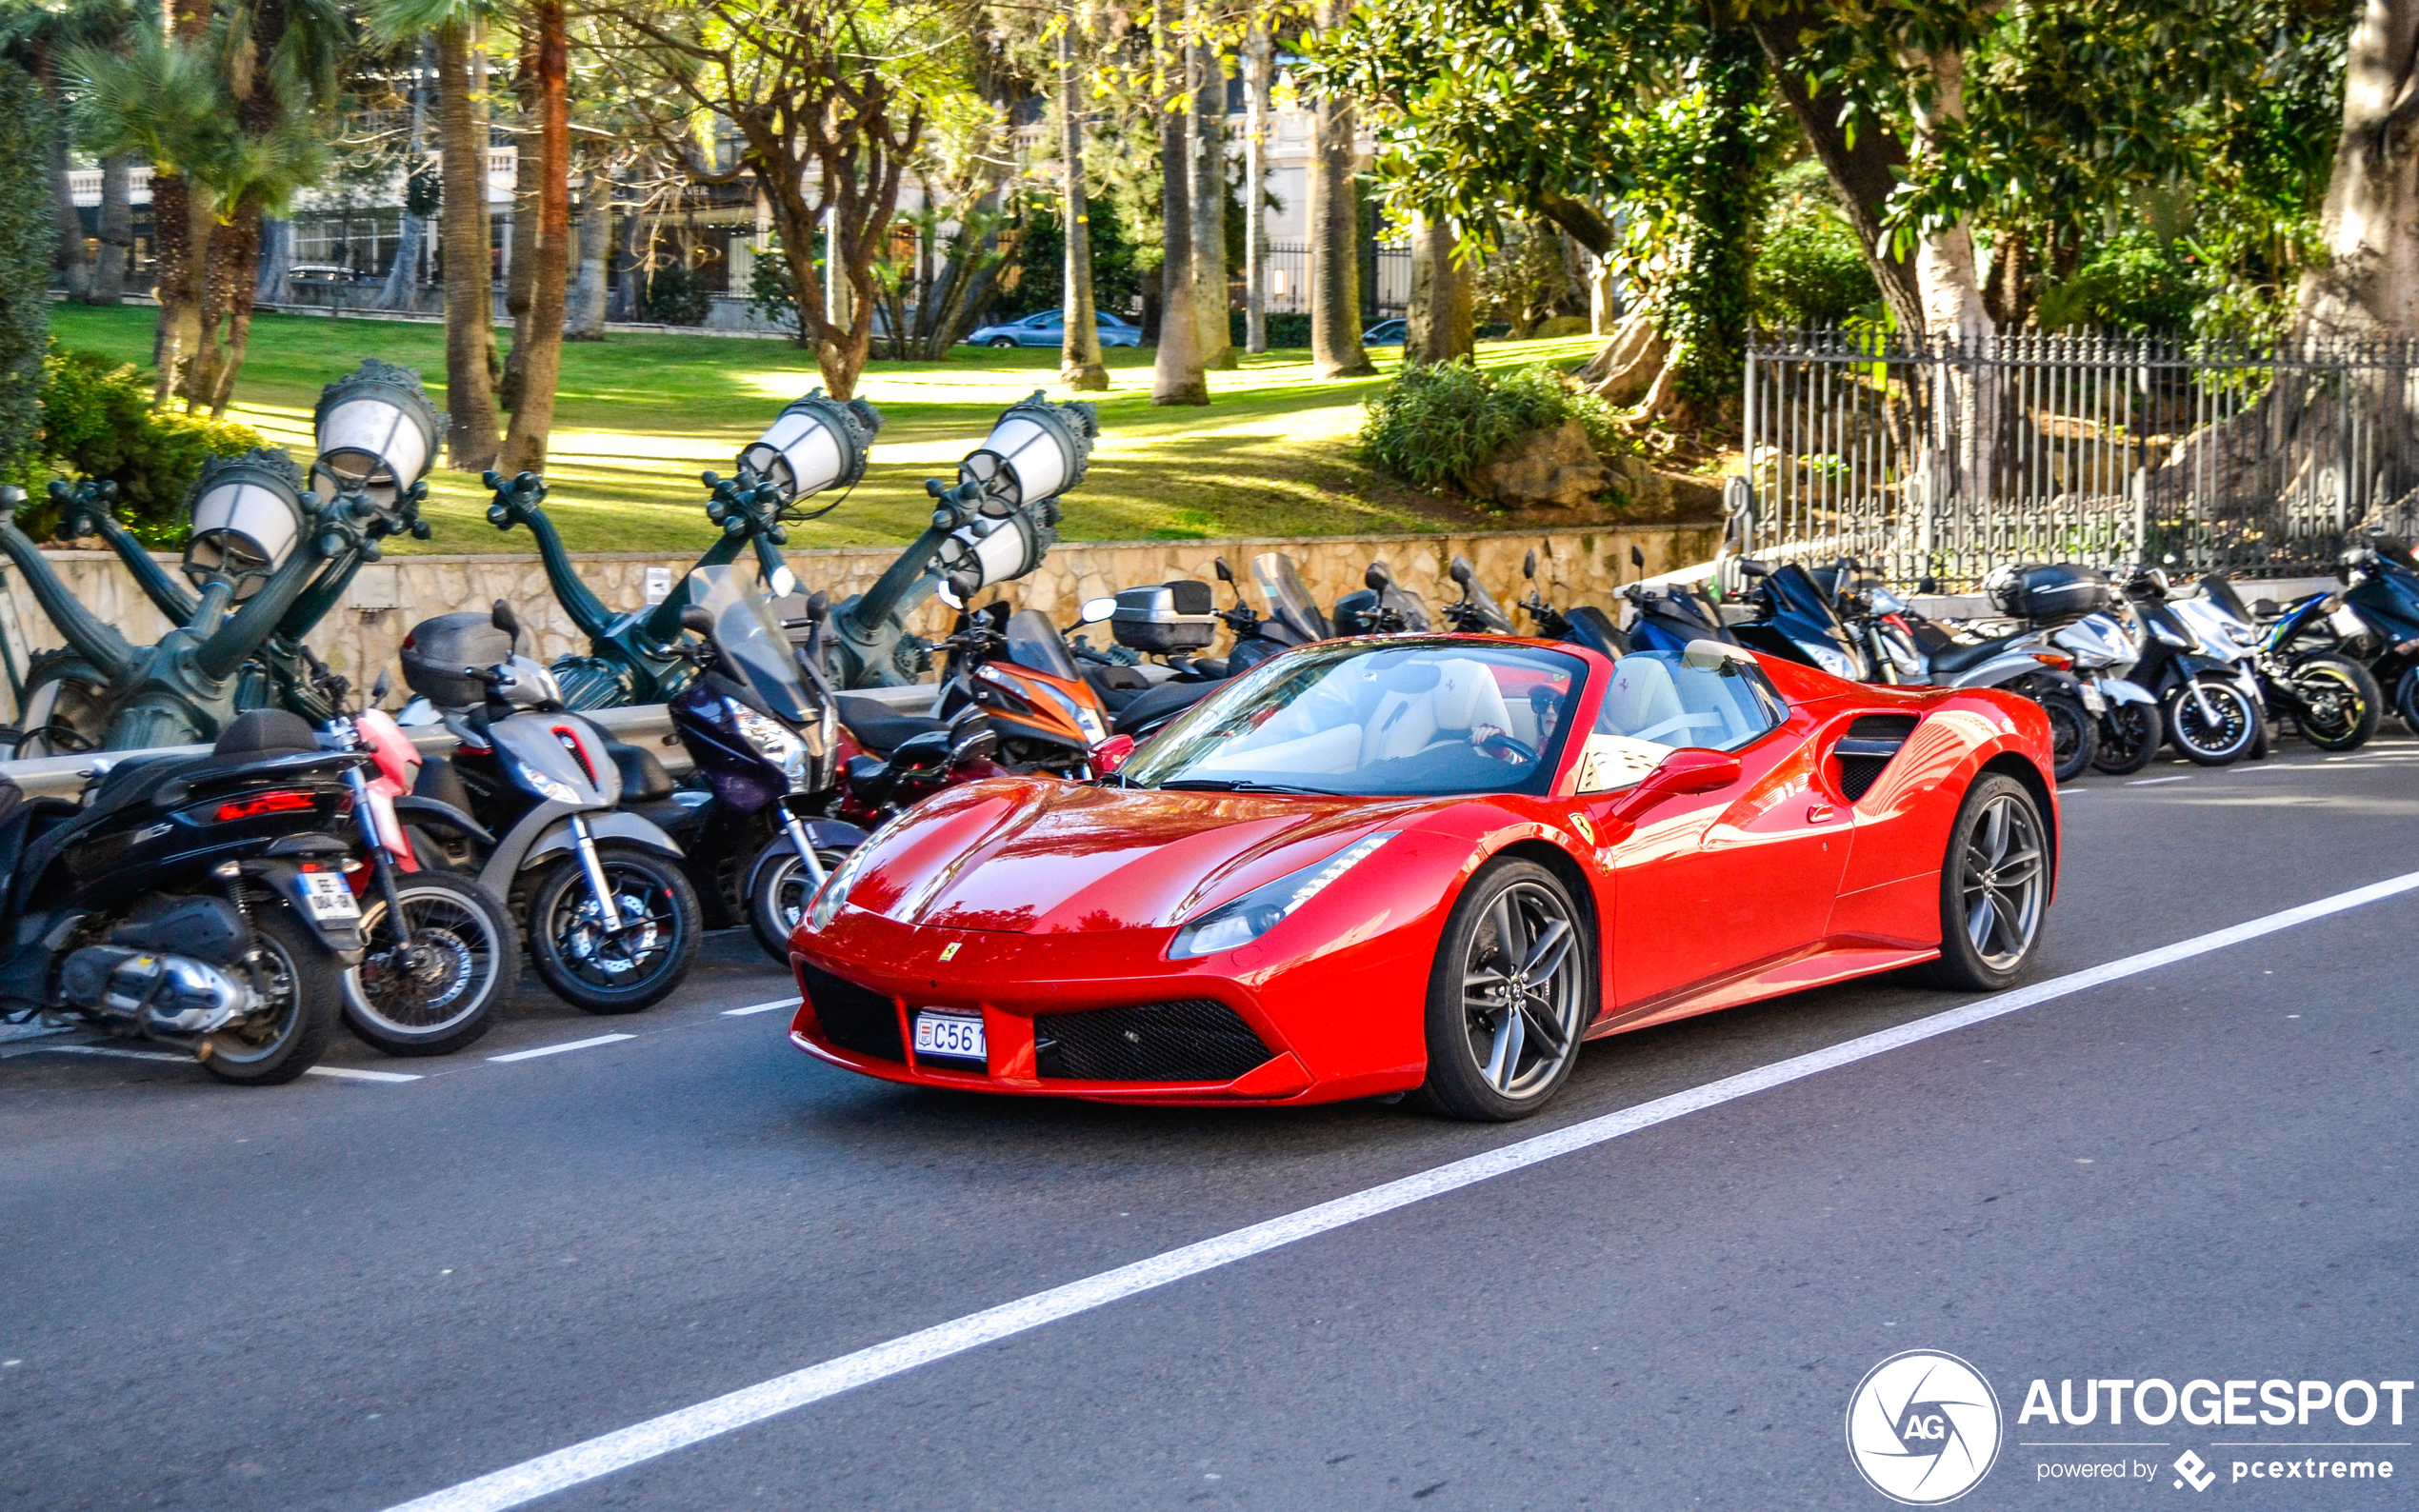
[345, 1073]
[557, 1049]
[602, 1455]
[761, 1007]
[2151, 781]
[123, 1055]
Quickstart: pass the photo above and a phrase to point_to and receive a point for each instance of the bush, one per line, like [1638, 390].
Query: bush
[97, 422]
[2135, 282]
[1290, 327]
[1431, 425]
[675, 298]
[1808, 271]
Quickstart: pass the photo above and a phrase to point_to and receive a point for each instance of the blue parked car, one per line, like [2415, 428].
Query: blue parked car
[1386, 333]
[1049, 328]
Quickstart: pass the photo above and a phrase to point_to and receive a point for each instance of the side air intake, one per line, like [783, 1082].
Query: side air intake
[1868, 746]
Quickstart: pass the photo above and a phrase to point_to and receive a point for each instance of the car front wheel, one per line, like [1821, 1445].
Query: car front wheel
[1003, 340]
[1511, 992]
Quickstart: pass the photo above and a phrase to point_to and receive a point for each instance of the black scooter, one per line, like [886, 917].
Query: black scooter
[197, 901]
[1581, 624]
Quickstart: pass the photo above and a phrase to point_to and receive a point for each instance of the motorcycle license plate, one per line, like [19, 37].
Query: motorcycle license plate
[2094, 700]
[949, 1037]
[326, 897]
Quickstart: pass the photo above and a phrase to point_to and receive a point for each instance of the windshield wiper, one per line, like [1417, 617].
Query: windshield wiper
[1236, 784]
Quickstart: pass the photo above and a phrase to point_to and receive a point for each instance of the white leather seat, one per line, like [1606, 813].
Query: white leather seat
[1465, 697]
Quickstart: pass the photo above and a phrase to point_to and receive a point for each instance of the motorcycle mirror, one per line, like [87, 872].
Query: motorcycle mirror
[1460, 571]
[504, 619]
[1225, 573]
[1378, 578]
[1637, 557]
[784, 583]
[2266, 609]
[950, 596]
[1928, 586]
[378, 690]
[694, 619]
[1095, 610]
[1528, 563]
[1754, 569]
[818, 605]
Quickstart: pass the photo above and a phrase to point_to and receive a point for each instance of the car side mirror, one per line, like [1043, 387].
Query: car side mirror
[1684, 771]
[694, 619]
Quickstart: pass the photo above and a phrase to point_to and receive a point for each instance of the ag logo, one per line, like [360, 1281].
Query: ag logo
[1923, 1427]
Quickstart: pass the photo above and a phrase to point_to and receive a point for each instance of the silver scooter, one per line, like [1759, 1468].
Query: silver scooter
[1903, 647]
[2131, 727]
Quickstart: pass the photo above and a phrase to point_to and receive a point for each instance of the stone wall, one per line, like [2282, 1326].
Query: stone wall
[390, 598]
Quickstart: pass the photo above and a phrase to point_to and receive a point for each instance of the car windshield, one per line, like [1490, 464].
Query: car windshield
[1375, 719]
[754, 650]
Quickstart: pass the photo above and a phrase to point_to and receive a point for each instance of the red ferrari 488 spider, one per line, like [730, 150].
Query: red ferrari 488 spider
[1432, 865]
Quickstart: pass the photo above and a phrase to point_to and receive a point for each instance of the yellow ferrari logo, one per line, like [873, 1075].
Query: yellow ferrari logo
[947, 951]
[1586, 831]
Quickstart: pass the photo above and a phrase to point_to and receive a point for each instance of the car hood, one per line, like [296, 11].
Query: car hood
[1042, 857]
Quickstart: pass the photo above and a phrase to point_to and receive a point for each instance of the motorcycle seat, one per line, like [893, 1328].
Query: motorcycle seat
[643, 777]
[1956, 657]
[1161, 702]
[877, 728]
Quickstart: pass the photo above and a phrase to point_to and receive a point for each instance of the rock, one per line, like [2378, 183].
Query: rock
[1649, 493]
[1556, 468]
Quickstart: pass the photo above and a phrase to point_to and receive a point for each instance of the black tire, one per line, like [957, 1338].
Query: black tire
[2237, 728]
[2075, 735]
[2406, 700]
[305, 986]
[468, 954]
[651, 955]
[1506, 1081]
[1970, 876]
[2341, 701]
[2130, 734]
[778, 889]
[1000, 342]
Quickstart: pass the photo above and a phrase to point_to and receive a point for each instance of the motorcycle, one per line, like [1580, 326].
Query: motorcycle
[1668, 616]
[198, 902]
[439, 952]
[2382, 590]
[1379, 607]
[2131, 727]
[612, 921]
[2332, 699]
[1582, 624]
[1796, 619]
[2210, 707]
[1475, 612]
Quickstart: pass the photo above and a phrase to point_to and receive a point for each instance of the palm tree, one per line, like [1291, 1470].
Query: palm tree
[462, 215]
[1176, 377]
[1080, 366]
[1209, 114]
[540, 354]
[1335, 217]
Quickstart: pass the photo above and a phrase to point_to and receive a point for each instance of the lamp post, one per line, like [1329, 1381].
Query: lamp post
[995, 524]
[266, 558]
[815, 445]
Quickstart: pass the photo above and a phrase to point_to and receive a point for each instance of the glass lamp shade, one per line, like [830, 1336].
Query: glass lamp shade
[248, 517]
[992, 549]
[1038, 450]
[812, 445]
[377, 434]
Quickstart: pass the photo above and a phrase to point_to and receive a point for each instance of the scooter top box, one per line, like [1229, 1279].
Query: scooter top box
[1177, 616]
[2040, 591]
[438, 655]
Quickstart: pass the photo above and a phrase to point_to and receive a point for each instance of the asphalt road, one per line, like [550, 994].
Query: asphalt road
[348, 1294]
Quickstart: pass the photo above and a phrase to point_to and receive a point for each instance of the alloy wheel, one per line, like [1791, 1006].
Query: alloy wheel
[421, 979]
[1520, 990]
[2004, 878]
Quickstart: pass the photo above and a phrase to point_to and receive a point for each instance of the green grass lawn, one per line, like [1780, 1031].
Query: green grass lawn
[639, 416]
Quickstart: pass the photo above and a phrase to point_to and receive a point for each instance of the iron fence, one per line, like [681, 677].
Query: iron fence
[1289, 279]
[1942, 458]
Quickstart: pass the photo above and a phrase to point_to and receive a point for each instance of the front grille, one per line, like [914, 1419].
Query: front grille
[1196, 1041]
[1868, 746]
[853, 1017]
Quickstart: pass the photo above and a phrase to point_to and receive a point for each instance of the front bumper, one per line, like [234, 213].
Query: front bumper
[1057, 1008]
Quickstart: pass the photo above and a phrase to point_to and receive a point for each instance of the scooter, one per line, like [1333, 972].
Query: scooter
[2211, 708]
[1475, 612]
[612, 921]
[1796, 620]
[440, 952]
[2332, 699]
[2381, 589]
[1380, 607]
[2131, 727]
[1581, 624]
[198, 902]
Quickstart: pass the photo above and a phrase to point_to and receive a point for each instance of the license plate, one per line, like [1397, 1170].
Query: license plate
[325, 896]
[949, 1037]
[2093, 700]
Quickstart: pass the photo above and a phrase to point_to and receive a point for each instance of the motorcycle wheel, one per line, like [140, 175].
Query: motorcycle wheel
[621, 971]
[289, 1036]
[2341, 701]
[778, 889]
[2130, 734]
[2406, 700]
[2074, 736]
[452, 993]
[2206, 743]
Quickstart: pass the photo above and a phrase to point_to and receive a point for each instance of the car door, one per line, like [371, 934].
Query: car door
[1040, 331]
[1708, 885]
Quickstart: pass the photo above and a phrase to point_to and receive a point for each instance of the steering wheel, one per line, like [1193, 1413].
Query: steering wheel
[1496, 740]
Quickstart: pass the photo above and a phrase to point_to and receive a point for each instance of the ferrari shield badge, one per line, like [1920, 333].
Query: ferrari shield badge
[948, 951]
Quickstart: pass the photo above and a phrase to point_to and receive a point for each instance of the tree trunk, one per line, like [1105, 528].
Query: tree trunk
[276, 261]
[241, 240]
[116, 227]
[73, 258]
[520, 253]
[585, 321]
[1953, 308]
[1209, 206]
[1258, 61]
[403, 274]
[461, 219]
[1176, 375]
[626, 277]
[533, 416]
[1439, 324]
[1630, 362]
[1079, 352]
[181, 226]
[2368, 285]
[1335, 225]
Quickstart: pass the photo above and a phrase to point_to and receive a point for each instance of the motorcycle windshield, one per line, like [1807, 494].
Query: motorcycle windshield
[1035, 641]
[754, 650]
[1289, 603]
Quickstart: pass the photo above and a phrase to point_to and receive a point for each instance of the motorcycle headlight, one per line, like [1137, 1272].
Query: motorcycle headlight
[552, 789]
[1832, 661]
[1264, 908]
[825, 906]
[773, 740]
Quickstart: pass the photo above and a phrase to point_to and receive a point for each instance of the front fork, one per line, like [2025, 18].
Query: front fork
[796, 830]
[594, 865]
[382, 872]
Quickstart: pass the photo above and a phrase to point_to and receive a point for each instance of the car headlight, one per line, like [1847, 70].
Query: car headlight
[773, 740]
[552, 789]
[836, 887]
[1830, 660]
[1260, 910]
